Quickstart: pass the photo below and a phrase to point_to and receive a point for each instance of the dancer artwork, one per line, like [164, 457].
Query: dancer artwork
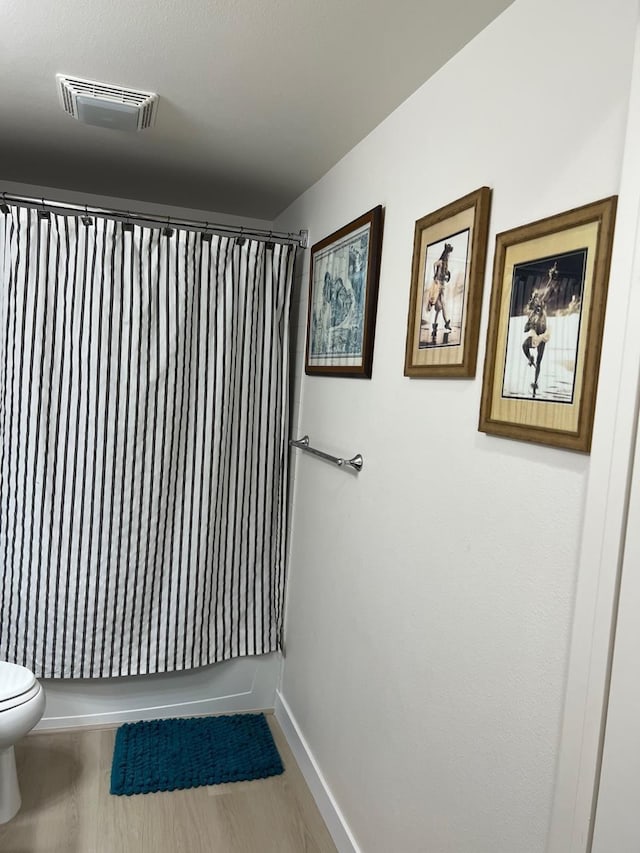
[544, 328]
[447, 277]
[443, 297]
[546, 324]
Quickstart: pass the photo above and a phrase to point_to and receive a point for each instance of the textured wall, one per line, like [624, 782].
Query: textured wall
[431, 598]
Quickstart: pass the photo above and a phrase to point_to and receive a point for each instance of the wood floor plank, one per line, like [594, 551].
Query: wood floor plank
[67, 807]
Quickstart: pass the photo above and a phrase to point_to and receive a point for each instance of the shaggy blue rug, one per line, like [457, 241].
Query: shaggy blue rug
[162, 755]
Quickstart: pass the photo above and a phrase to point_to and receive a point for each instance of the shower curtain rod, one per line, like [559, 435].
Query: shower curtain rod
[300, 239]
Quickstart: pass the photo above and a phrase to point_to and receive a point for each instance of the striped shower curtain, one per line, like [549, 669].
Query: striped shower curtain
[143, 445]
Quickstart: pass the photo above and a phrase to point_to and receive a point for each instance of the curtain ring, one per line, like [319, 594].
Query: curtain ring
[43, 214]
[85, 218]
[168, 230]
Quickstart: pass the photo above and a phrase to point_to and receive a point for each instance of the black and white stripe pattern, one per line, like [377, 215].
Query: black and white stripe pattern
[143, 446]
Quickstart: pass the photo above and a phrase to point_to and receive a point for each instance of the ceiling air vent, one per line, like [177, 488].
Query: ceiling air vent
[106, 106]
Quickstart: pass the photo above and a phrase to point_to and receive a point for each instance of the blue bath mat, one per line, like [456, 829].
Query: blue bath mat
[162, 755]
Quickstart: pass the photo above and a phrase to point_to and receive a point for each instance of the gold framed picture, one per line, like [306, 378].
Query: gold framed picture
[447, 274]
[546, 320]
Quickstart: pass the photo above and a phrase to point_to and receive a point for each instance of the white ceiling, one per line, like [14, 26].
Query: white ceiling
[258, 99]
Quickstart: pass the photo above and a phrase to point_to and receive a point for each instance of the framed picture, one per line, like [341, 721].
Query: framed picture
[343, 295]
[449, 252]
[546, 320]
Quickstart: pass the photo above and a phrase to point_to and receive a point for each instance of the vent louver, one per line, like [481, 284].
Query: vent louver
[105, 105]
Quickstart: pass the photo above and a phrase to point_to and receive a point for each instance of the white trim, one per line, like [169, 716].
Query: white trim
[617, 819]
[327, 805]
[604, 517]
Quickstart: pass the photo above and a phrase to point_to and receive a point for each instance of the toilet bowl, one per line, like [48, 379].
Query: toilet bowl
[21, 708]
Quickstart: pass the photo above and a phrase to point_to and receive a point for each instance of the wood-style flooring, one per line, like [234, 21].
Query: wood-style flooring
[67, 808]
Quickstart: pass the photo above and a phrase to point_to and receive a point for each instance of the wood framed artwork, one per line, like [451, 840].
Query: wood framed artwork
[546, 320]
[447, 275]
[343, 296]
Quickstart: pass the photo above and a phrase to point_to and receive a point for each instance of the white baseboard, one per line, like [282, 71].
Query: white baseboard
[329, 809]
[241, 684]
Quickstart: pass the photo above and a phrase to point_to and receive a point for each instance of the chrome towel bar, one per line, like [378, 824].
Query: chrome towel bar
[356, 462]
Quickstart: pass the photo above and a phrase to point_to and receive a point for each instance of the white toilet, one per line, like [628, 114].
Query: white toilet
[21, 708]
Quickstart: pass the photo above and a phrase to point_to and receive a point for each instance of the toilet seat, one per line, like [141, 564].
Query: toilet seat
[17, 685]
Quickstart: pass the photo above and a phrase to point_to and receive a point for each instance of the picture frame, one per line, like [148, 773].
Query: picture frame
[546, 319]
[447, 278]
[343, 294]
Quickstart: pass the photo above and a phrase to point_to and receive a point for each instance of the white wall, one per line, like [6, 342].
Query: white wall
[236, 685]
[431, 598]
